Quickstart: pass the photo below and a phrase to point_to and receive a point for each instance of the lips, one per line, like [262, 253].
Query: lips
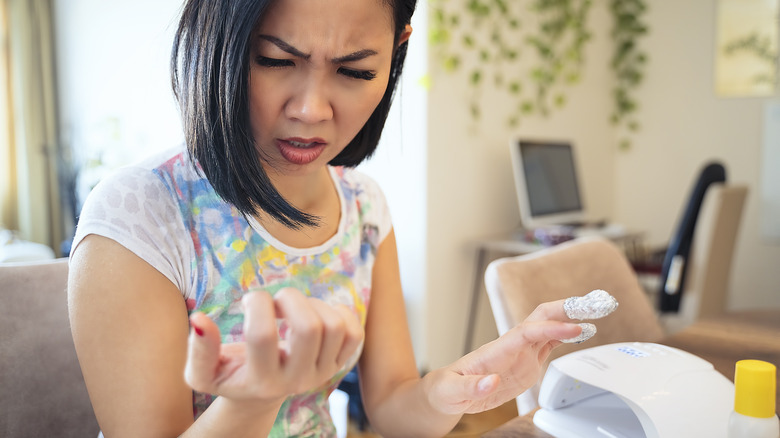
[301, 151]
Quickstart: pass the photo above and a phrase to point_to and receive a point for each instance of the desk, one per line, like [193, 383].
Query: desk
[720, 340]
[517, 244]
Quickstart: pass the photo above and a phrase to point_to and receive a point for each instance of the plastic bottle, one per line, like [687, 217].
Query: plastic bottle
[754, 401]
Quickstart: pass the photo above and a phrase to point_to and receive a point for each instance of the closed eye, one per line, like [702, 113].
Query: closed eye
[365, 75]
[273, 62]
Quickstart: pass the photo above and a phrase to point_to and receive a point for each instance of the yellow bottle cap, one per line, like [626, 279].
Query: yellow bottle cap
[755, 386]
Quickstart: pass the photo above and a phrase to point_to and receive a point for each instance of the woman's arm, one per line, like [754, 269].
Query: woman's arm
[130, 328]
[391, 385]
[481, 380]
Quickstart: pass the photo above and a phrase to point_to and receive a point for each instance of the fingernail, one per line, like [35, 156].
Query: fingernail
[198, 330]
[484, 384]
[596, 304]
[588, 330]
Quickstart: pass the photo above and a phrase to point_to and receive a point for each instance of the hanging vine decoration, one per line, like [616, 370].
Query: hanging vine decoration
[557, 38]
[628, 64]
[458, 43]
[558, 43]
[762, 48]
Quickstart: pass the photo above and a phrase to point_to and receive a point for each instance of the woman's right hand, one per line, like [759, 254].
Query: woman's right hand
[320, 340]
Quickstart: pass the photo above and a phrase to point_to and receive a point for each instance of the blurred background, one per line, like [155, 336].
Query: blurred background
[85, 88]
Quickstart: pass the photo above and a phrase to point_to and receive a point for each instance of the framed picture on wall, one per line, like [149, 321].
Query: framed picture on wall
[746, 51]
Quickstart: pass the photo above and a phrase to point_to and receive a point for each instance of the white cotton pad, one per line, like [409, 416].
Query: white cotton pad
[596, 304]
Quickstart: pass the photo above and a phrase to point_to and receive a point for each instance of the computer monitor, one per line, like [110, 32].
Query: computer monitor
[548, 190]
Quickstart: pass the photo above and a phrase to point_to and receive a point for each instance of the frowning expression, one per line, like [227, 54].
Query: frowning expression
[318, 70]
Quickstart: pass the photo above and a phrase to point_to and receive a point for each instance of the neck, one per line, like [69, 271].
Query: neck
[307, 192]
[315, 194]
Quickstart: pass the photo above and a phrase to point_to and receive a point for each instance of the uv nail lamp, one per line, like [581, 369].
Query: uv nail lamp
[634, 389]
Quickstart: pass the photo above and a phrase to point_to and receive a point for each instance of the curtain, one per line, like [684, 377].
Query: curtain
[29, 199]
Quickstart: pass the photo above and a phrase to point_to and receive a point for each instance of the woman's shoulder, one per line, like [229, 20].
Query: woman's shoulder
[134, 207]
[362, 191]
[147, 176]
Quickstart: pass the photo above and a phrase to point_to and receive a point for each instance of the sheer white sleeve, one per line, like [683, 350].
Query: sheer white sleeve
[134, 208]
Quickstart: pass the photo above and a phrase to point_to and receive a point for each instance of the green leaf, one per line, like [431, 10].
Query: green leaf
[451, 63]
[475, 112]
[439, 37]
[476, 77]
[438, 16]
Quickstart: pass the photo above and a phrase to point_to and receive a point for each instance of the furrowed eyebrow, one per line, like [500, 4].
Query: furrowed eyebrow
[355, 56]
[284, 46]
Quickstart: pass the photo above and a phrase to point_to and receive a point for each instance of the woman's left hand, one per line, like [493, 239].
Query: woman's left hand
[502, 369]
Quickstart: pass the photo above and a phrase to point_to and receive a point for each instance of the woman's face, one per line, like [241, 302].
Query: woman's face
[318, 70]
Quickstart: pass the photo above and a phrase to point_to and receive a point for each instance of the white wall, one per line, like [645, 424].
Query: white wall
[686, 124]
[471, 192]
[115, 96]
[400, 167]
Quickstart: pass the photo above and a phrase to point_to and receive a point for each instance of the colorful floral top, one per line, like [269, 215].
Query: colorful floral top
[166, 212]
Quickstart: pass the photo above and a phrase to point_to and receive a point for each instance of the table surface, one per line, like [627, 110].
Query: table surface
[722, 341]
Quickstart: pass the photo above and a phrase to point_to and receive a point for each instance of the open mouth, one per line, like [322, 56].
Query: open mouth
[300, 151]
[299, 144]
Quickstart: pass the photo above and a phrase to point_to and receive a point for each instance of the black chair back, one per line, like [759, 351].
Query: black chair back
[676, 259]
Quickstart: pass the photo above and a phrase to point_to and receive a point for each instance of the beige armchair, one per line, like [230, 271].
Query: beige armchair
[706, 288]
[516, 285]
[43, 391]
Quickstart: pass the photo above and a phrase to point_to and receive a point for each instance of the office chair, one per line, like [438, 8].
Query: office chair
[516, 285]
[43, 390]
[706, 286]
[675, 264]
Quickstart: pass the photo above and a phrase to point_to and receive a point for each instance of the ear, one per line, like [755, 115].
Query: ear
[407, 32]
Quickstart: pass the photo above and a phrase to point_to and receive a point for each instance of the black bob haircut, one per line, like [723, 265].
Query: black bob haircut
[210, 79]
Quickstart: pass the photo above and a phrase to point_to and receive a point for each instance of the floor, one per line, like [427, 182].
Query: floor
[470, 426]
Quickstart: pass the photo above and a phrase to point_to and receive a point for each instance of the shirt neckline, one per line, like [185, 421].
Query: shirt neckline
[278, 244]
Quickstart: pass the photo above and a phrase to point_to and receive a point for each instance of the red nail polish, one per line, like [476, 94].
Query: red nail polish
[198, 330]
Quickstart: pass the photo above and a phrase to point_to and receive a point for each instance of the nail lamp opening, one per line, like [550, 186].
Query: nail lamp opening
[634, 389]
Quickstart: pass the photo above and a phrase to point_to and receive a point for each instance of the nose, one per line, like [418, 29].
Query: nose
[310, 102]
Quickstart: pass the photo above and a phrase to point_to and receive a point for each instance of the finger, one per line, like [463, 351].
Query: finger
[260, 333]
[334, 329]
[588, 330]
[545, 350]
[596, 304]
[552, 310]
[202, 353]
[543, 332]
[305, 334]
[456, 392]
[353, 336]
[480, 387]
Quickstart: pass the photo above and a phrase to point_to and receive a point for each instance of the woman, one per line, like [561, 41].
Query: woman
[225, 289]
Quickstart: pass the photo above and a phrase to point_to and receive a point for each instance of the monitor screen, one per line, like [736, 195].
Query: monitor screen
[546, 181]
